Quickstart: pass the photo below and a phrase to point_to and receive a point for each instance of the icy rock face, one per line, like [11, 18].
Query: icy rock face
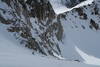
[33, 23]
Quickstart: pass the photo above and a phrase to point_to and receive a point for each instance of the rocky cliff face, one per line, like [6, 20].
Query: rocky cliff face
[33, 23]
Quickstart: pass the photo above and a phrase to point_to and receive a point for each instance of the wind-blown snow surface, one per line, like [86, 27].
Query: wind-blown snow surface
[60, 8]
[14, 55]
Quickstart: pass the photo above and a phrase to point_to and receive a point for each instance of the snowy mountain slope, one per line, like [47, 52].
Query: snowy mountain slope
[9, 45]
[78, 32]
[34, 24]
[13, 55]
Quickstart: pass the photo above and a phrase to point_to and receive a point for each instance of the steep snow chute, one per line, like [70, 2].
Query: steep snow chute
[59, 8]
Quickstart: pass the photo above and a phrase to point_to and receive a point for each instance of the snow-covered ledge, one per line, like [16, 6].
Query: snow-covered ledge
[59, 8]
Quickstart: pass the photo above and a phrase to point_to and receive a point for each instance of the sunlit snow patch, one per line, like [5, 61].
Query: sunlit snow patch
[59, 8]
[88, 58]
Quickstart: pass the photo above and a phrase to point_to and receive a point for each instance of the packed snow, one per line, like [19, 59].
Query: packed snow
[60, 8]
